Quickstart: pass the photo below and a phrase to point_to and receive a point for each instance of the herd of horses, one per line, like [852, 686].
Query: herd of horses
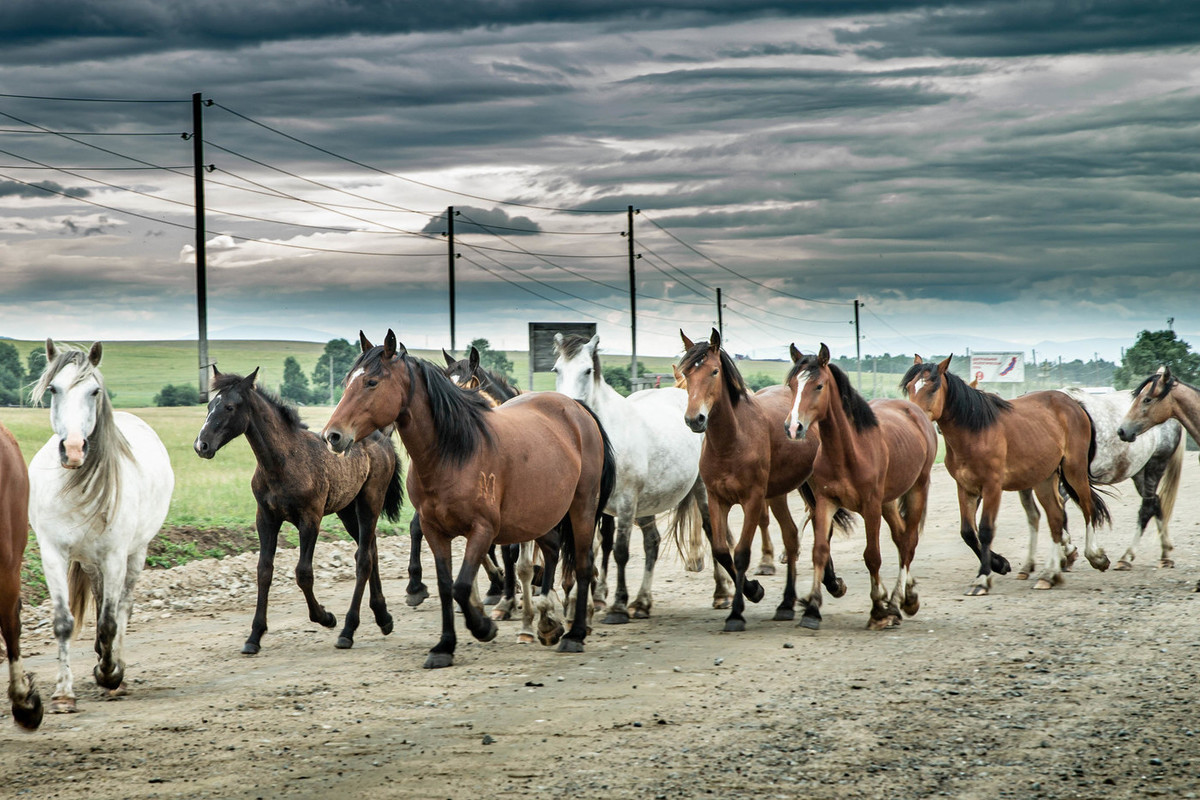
[567, 475]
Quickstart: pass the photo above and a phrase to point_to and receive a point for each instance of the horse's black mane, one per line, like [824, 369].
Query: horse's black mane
[290, 415]
[573, 343]
[458, 414]
[1168, 385]
[735, 387]
[973, 409]
[854, 404]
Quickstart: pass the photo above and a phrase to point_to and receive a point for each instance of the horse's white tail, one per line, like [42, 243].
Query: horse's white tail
[1168, 487]
[687, 531]
[79, 594]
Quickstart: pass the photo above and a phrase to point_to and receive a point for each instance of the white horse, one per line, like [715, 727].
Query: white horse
[99, 492]
[1153, 462]
[658, 467]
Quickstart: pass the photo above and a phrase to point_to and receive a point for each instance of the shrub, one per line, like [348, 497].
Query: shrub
[172, 395]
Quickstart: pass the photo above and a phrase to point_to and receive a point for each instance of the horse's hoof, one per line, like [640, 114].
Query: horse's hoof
[840, 589]
[911, 605]
[414, 599]
[1000, 564]
[1122, 566]
[526, 638]
[1042, 584]
[641, 613]
[784, 614]
[501, 614]
[344, 643]
[1022, 575]
[488, 633]
[599, 605]
[387, 626]
[1072, 557]
[62, 705]
[250, 649]
[810, 622]
[1100, 562]
[330, 621]
[439, 660]
[492, 599]
[568, 645]
[108, 681]
[765, 569]
[976, 591]
[1166, 563]
[29, 717]
[616, 618]
[879, 624]
[754, 591]
[722, 602]
[117, 693]
[735, 625]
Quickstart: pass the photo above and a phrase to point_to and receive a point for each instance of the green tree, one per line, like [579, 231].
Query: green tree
[1152, 350]
[341, 355]
[495, 360]
[36, 366]
[617, 376]
[760, 380]
[12, 375]
[295, 382]
[181, 395]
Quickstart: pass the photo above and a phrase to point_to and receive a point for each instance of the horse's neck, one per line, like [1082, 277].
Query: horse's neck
[417, 431]
[724, 432]
[269, 436]
[1187, 404]
[605, 397]
[837, 434]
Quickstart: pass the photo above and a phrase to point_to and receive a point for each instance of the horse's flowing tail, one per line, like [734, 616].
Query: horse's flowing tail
[393, 498]
[1168, 487]
[1100, 514]
[687, 531]
[843, 520]
[79, 594]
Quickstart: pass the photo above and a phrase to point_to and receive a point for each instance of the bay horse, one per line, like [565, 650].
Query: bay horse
[99, 491]
[298, 480]
[1154, 463]
[995, 445]
[658, 465]
[874, 460]
[493, 475]
[748, 459]
[26, 703]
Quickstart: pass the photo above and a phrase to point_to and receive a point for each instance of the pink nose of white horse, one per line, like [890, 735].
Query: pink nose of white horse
[72, 451]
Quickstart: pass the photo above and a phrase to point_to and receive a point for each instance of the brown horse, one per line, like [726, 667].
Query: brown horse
[1157, 399]
[994, 445]
[493, 475]
[748, 460]
[14, 532]
[874, 460]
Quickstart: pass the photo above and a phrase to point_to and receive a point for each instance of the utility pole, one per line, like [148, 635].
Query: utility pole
[1035, 372]
[858, 344]
[330, 377]
[720, 316]
[632, 305]
[450, 268]
[201, 256]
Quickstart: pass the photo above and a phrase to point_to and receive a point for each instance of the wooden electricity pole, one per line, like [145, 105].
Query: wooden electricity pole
[632, 305]
[450, 266]
[201, 257]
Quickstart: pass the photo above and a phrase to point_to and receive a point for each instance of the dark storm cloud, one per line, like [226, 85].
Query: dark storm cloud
[1006, 28]
[483, 220]
[39, 189]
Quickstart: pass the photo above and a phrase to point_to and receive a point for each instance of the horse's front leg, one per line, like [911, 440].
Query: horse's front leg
[822, 520]
[744, 588]
[766, 564]
[989, 508]
[27, 708]
[723, 592]
[605, 536]
[417, 590]
[268, 537]
[308, 529]
[650, 540]
[1032, 518]
[1056, 515]
[442, 653]
[366, 571]
[54, 567]
[496, 578]
[618, 612]
[791, 546]
[117, 585]
[549, 629]
[478, 623]
[524, 572]
[503, 610]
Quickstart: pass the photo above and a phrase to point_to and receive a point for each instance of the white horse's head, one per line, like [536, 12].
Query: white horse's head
[77, 397]
[577, 369]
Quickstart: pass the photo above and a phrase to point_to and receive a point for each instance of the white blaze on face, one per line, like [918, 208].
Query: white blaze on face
[355, 375]
[793, 420]
[918, 386]
[453, 379]
[215, 404]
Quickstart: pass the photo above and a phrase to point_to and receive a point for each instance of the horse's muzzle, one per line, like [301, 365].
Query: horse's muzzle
[203, 448]
[337, 441]
[1125, 435]
[72, 452]
[698, 423]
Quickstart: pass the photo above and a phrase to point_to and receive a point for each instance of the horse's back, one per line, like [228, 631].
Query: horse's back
[910, 437]
[1115, 460]
[658, 456]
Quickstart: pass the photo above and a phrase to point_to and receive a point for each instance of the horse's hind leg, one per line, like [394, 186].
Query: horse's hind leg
[304, 573]
[1047, 495]
[268, 537]
[496, 578]
[1032, 518]
[1146, 482]
[549, 628]
[417, 590]
[442, 653]
[723, 592]
[503, 610]
[478, 623]
[641, 605]
[524, 571]
[360, 520]
[606, 534]
[26, 702]
[618, 612]
[791, 546]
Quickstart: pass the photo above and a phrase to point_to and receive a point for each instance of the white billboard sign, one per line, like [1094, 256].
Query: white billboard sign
[998, 367]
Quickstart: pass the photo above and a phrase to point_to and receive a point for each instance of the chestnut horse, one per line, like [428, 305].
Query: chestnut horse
[995, 445]
[493, 475]
[748, 460]
[14, 532]
[874, 460]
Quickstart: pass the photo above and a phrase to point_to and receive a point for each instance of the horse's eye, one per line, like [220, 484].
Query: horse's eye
[372, 383]
[1146, 400]
[229, 407]
[820, 386]
[589, 371]
[53, 390]
[715, 371]
[95, 391]
[554, 370]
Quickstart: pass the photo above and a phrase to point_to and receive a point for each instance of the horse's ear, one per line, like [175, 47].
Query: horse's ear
[389, 344]
[1165, 371]
[95, 353]
[714, 341]
[51, 351]
[251, 379]
[944, 365]
[449, 358]
[794, 352]
[364, 342]
[917, 359]
[688, 344]
[216, 372]
[823, 355]
[558, 339]
[593, 343]
[474, 359]
[678, 375]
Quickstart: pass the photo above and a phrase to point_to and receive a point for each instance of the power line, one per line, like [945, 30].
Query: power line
[889, 327]
[470, 260]
[381, 171]
[89, 99]
[24, 132]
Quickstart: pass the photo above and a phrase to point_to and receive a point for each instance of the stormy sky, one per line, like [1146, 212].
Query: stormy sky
[978, 171]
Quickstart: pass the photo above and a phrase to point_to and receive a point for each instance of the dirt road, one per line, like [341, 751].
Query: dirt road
[1089, 690]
